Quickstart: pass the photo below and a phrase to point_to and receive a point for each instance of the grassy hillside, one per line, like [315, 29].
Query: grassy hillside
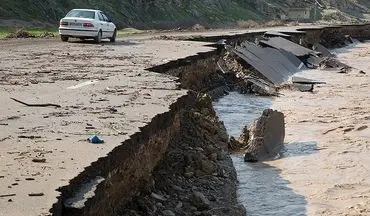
[171, 13]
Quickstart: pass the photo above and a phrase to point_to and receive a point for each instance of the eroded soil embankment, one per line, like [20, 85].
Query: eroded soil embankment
[196, 176]
[126, 170]
[187, 146]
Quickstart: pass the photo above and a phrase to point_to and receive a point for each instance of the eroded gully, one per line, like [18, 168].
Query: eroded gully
[323, 168]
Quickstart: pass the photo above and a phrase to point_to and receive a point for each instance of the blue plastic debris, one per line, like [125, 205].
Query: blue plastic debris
[95, 139]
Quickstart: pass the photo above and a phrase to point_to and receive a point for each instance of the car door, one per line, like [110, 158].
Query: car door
[109, 26]
[103, 24]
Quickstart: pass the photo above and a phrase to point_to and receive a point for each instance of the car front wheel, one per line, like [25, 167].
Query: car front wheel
[113, 38]
[99, 37]
[64, 38]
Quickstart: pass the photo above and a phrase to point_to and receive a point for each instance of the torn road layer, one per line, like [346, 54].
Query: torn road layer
[275, 65]
[281, 43]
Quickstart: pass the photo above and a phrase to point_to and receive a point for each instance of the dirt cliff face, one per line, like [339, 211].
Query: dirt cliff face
[195, 172]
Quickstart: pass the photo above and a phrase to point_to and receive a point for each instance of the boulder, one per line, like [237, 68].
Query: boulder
[266, 136]
[234, 144]
[200, 201]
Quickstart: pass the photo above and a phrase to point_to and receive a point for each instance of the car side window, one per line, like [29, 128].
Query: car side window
[101, 18]
[105, 17]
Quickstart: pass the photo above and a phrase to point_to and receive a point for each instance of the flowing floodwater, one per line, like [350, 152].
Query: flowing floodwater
[261, 188]
[324, 168]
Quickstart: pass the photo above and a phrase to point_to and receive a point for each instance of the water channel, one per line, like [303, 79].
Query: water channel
[261, 189]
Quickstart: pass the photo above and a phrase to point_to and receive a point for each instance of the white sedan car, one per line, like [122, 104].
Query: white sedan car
[87, 24]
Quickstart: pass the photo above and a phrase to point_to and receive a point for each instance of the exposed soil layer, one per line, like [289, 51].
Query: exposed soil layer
[195, 172]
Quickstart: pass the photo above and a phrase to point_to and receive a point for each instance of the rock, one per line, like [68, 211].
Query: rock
[168, 213]
[362, 72]
[235, 145]
[205, 102]
[158, 197]
[208, 166]
[200, 201]
[248, 157]
[345, 69]
[193, 209]
[179, 205]
[237, 210]
[178, 188]
[244, 137]
[189, 174]
[159, 205]
[266, 136]
[199, 149]
[213, 156]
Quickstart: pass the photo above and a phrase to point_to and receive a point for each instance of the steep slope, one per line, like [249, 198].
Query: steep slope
[137, 13]
[173, 13]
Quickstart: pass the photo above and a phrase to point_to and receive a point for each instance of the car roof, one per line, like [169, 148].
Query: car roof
[88, 10]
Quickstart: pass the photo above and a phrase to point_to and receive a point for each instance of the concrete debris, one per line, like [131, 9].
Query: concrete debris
[266, 136]
[345, 69]
[276, 34]
[262, 89]
[304, 84]
[284, 44]
[323, 50]
[275, 66]
[331, 62]
[301, 80]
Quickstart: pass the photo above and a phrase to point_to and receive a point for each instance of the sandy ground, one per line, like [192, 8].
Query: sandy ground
[331, 126]
[102, 90]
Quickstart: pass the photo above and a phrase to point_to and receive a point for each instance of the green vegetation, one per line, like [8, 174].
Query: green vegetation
[129, 31]
[28, 32]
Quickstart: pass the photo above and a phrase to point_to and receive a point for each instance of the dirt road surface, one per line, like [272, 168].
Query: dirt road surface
[333, 171]
[102, 89]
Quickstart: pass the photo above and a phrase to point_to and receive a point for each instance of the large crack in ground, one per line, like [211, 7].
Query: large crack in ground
[181, 175]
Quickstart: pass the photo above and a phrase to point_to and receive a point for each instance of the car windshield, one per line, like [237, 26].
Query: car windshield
[81, 14]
